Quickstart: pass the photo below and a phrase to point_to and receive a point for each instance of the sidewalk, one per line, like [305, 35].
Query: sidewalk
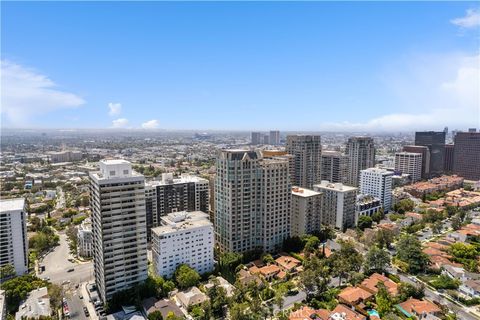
[86, 301]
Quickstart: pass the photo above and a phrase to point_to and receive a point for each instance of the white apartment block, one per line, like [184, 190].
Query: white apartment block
[252, 201]
[183, 238]
[65, 156]
[186, 193]
[409, 163]
[306, 211]
[13, 235]
[360, 152]
[307, 158]
[338, 209]
[366, 205]
[378, 183]
[117, 201]
[85, 239]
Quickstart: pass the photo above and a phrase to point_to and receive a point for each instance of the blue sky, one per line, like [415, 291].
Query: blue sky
[253, 65]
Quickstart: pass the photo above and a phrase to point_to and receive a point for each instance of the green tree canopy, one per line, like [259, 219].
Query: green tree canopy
[409, 250]
[186, 277]
[376, 260]
[364, 222]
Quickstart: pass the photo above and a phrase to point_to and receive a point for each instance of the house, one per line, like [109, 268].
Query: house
[470, 288]
[127, 313]
[246, 277]
[165, 307]
[354, 296]
[341, 312]
[418, 308]
[454, 272]
[221, 283]
[371, 284]
[191, 297]
[36, 305]
[305, 313]
[439, 262]
[269, 272]
[288, 263]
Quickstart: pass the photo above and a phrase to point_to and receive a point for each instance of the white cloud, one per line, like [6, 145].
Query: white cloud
[470, 20]
[119, 123]
[114, 108]
[429, 92]
[26, 93]
[151, 124]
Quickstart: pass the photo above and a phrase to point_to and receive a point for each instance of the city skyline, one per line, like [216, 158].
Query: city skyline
[212, 66]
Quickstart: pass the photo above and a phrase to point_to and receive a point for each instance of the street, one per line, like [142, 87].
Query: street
[56, 270]
[57, 265]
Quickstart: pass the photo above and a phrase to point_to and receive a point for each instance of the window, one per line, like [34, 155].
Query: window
[112, 173]
[125, 171]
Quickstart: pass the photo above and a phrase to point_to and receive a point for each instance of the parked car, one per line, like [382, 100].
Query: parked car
[85, 310]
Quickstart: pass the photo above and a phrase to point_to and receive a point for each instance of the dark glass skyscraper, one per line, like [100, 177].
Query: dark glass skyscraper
[466, 156]
[435, 142]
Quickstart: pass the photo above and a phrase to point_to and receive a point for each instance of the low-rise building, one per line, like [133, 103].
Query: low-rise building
[164, 306]
[470, 288]
[440, 184]
[3, 305]
[85, 239]
[371, 284]
[183, 238]
[191, 297]
[36, 305]
[366, 205]
[221, 282]
[418, 308]
[354, 296]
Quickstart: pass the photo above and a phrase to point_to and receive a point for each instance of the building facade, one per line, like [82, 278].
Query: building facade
[306, 211]
[425, 152]
[360, 152]
[274, 137]
[256, 138]
[186, 193]
[409, 163]
[448, 163]
[117, 201]
[334, 166]
[85, 239]
[13, 235]
[466, 159]
[252, 201]
[366, 205]
[338, 208]
[307, 157]
[183, 238]
[378, 183]
[435, 142]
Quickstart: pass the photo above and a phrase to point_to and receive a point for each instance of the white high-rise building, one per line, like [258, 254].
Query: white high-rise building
[360, 152]
[252, 201]
[85, 239]
[183, 238]
[409, 163]
[117, 201]
[338, 209]
[307, 158]
[13, 239]
[378, 183]
[306, 211]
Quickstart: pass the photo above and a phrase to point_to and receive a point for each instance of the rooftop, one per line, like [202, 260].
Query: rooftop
[302, 192]
[334, 186]
[183, 220]
[17, 204]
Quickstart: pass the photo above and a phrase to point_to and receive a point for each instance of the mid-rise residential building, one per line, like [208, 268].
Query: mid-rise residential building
[13, 231]
[117, 201]
[378, 183]
[85, 239]
[306, 211]
[274, 138]
[334, 166]
[435, 142]
[183, 238]
[252, 201]
[409, 163]
[307, 157]
[360, 152]
[186, 193]
[425, 152]
[65, 156]
[366, 205]
[448, 163]
[338, 208]
[466, 159]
